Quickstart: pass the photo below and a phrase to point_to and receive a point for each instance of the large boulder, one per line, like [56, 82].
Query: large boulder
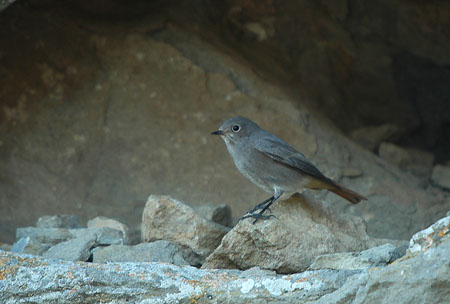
[301, 230]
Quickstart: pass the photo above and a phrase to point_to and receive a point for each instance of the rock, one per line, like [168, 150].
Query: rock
[289, 242]
[430, 237]
[167, 219]
[220, 214]
[68, 221]
[420, 278]
[96, 149]
[416, 161]
[373, 257]
[44, 235]
[101, 221]
[35, 279]
[158, 251]
[441, 176]
[79, 248]
[371, 137]
[30, 246]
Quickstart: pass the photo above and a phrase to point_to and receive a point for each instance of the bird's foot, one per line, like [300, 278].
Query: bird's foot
[257, 216]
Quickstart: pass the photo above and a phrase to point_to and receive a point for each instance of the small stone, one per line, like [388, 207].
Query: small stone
[30, 246]
[167, 219]
[68, 221]
[101, 221]
[44, 235]
[220, 214]
[373, 257]
[441, 176]
[158, 251]
[79, 247]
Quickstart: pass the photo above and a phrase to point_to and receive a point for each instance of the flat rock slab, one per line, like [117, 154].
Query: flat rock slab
[158, 251]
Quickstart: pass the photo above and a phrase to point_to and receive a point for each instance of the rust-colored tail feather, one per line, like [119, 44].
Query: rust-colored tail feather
[334, 187]
[348, 194]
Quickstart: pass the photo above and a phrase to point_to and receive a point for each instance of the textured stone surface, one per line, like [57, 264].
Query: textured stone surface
[44, 235]
[101, 221]
[430, 237]
[167, 219]
[419, 278]
[158, 251]
[373, 257]
[30, 246]
[441, 176]
[79, 247]
[300, 231]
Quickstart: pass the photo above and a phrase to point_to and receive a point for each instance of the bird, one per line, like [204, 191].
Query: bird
[273, 165]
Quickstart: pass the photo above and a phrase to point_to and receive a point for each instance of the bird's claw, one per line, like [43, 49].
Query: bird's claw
[257, 216]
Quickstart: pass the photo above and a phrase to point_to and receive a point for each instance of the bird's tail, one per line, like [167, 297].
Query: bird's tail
[334, 187]
[348, 194]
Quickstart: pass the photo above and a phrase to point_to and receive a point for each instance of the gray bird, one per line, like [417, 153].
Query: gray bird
[273, 165]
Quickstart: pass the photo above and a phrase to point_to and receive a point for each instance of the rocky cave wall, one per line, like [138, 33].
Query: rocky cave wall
[105, 102]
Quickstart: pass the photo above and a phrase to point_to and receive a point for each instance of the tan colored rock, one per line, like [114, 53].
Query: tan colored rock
[101, 221]
[300, 231]
[165, 218]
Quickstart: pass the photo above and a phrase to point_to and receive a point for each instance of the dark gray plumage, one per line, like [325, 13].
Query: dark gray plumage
[272, 164]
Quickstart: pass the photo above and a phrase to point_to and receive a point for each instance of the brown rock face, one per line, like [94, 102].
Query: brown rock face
[104, 102]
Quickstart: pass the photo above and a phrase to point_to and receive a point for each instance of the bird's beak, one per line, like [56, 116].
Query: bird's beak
[218, 132]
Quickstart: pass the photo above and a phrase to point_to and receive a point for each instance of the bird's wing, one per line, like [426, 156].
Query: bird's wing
[279, 151]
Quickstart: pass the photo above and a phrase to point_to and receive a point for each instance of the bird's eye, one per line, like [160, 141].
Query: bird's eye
[236, 128]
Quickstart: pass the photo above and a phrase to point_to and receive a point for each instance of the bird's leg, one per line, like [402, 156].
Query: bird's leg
[260, 205]
[267, 203]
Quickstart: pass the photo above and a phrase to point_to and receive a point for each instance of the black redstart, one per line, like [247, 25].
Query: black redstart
[273, 165]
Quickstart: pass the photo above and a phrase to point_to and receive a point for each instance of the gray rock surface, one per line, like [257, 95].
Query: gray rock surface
[441, 176]
[29, 245]
[373, 257]
[101, 221]
[68, 221]
[430, 237]
[158, 251]
[44, 235]
[300, 231]
[79, 247]
[220, 214]
[167, 219]
[422, 277]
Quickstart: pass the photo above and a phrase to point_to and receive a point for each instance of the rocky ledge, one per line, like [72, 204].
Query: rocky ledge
[92, 265]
